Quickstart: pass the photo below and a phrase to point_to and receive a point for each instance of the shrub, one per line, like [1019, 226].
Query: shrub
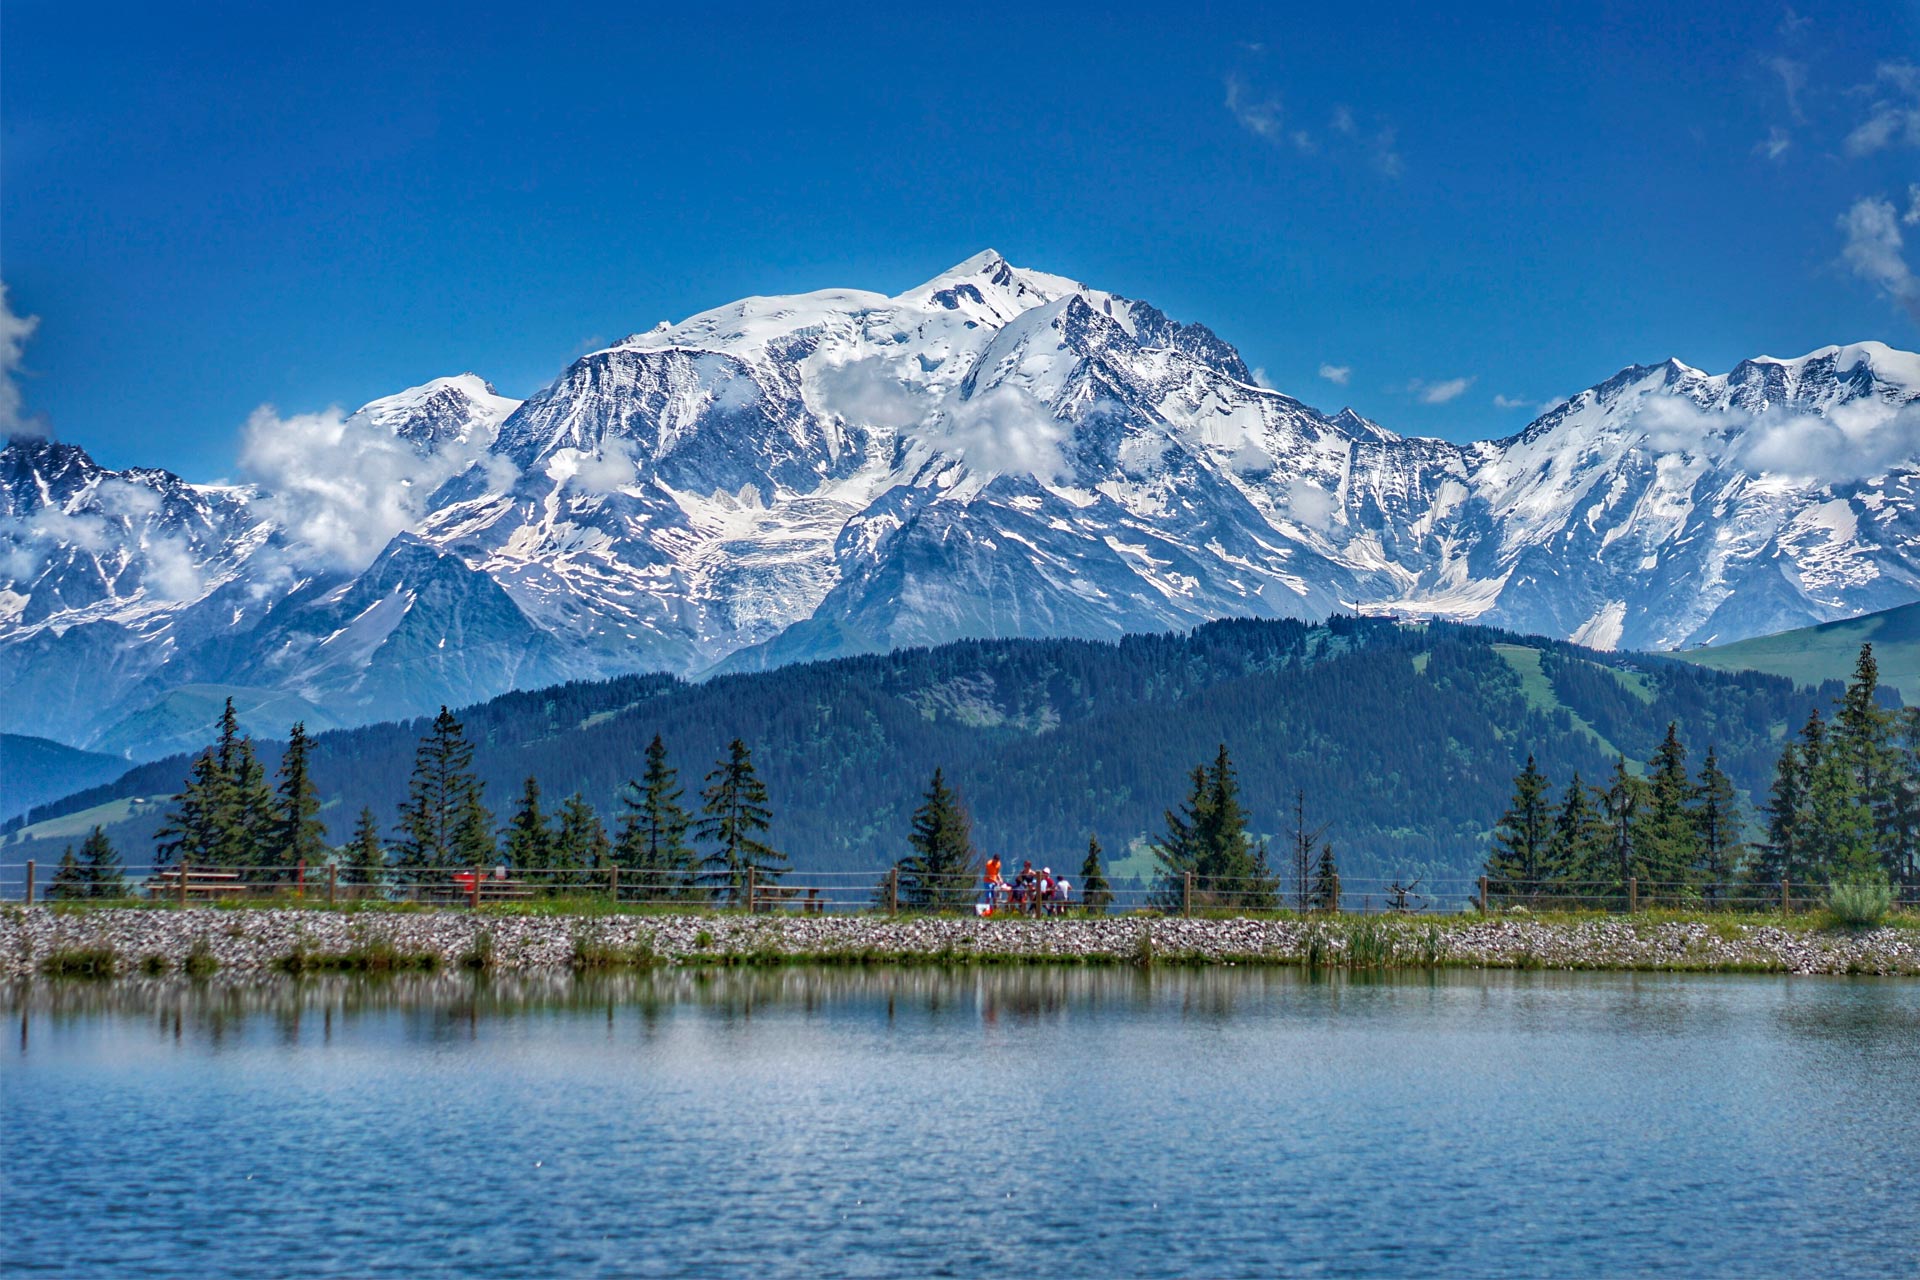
[478, 957]
[200, 961]
[1861, 902]
[82, 962]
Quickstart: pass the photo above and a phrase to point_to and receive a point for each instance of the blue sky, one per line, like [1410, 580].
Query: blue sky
[211, 207]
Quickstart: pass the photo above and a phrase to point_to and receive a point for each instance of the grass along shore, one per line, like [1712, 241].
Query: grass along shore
[99, 941]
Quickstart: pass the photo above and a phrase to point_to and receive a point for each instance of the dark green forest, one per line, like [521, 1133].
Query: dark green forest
[1404, 740]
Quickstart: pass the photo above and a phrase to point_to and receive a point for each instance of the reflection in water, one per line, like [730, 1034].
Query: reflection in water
[968, 1121]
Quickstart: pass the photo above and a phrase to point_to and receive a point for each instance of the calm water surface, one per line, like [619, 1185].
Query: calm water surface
[1008, 1122]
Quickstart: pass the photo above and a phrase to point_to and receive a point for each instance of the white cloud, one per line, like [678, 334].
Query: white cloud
[1261, 117]
[1510, 402]
[1793, 79]
[612, 469]
[1875, 252]
[1003, 429]
[867, 392]
[1774, 145]
[1338, 374]
[341, 487]
[1343, 122]
[1851, 442]
[1894, 120]
[1913, 206]
[14, 332]
[1439, 392]
[1311, 505]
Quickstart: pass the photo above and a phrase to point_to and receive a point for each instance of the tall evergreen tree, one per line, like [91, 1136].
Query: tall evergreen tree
[1209, 838]
[529, 840]
[1095, 894]
[1716, 828]
[653, 829]
[1578, 852]
[941, 874]
[439, 828]
[1620, 805]
[1517, 862]
[253, 816]
[734, 813]
[1664, 838]
[1901, 849]
[299, 837]
[1862, 739]
[190, 834]
[69, 880]
[366, 855]
[580, 846]
[1784, 855]
[100, 862]
[1326, 880]
[1838, 825]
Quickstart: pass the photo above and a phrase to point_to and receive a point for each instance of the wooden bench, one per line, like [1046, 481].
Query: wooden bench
[200, 883]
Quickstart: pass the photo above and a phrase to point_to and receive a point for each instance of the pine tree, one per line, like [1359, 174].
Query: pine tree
[189, 834]
[1517, 862]
[941, 873]
[1095, 894]
[1578, 853]
[1664, 838]
[1326, 881]
[529, 841]
[1901, 850]
[1839, 826]
[1862, 740]
[733, 814]
[100, 863]
[1178, 853]
[252, 815]
[437, 827]
[299, 837]
[580, 846]
[653, 829]
[366, 856]
[1783, 854]
[1619, 806]
[69, 880]
[1715, 814]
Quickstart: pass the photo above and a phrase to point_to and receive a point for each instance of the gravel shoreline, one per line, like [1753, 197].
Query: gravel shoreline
[263, 940]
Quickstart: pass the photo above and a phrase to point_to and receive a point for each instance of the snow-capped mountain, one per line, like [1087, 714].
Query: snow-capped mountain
[998, 452]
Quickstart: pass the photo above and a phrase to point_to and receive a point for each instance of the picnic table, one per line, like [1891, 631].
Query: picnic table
[200, 882]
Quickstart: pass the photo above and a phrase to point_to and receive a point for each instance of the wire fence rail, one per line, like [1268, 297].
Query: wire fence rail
[896, 891]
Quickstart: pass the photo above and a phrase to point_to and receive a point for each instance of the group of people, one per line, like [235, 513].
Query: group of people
[1030, 892]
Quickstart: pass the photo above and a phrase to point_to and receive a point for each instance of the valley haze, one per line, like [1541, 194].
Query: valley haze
[997, 453]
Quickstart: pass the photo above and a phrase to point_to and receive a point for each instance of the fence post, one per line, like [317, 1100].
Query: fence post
[473, 891]
[1786, 896]
[1186, 894]
[29, 881]
[1633, 894]
[333, 881]
[893, 890]
[183, 882]
[1486, 903]
[613, 882]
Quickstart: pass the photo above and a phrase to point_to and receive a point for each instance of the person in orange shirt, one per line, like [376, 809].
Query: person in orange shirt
[992, 878]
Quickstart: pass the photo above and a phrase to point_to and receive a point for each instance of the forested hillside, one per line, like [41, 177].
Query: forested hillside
[1403, 738]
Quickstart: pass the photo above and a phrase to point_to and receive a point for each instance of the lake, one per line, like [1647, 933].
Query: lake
[985, 1122]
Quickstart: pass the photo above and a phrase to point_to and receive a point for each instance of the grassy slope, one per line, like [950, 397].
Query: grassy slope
[1813, 655]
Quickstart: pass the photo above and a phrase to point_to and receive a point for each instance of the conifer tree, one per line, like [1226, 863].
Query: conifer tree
[1862, 739]
[1178, 852]
[299, 836]
[190, 833]
[653, 828]
[1619, 806]
[1716, 826]
[941, 873]
[580, 845]
[1783, 855]
[69, 880]
[529, 840]
[1326, 880]
[1664, 838]
[1095, 894]
[1209, 837]
[100, 863]
[1838, 825]
[366, 856]
[733, 815]
[441, 825]
[251, 816]
[1577, 856]
[1517, 862]
[1901, 848]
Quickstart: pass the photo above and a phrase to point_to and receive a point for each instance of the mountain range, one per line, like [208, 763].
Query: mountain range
[996, 453]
